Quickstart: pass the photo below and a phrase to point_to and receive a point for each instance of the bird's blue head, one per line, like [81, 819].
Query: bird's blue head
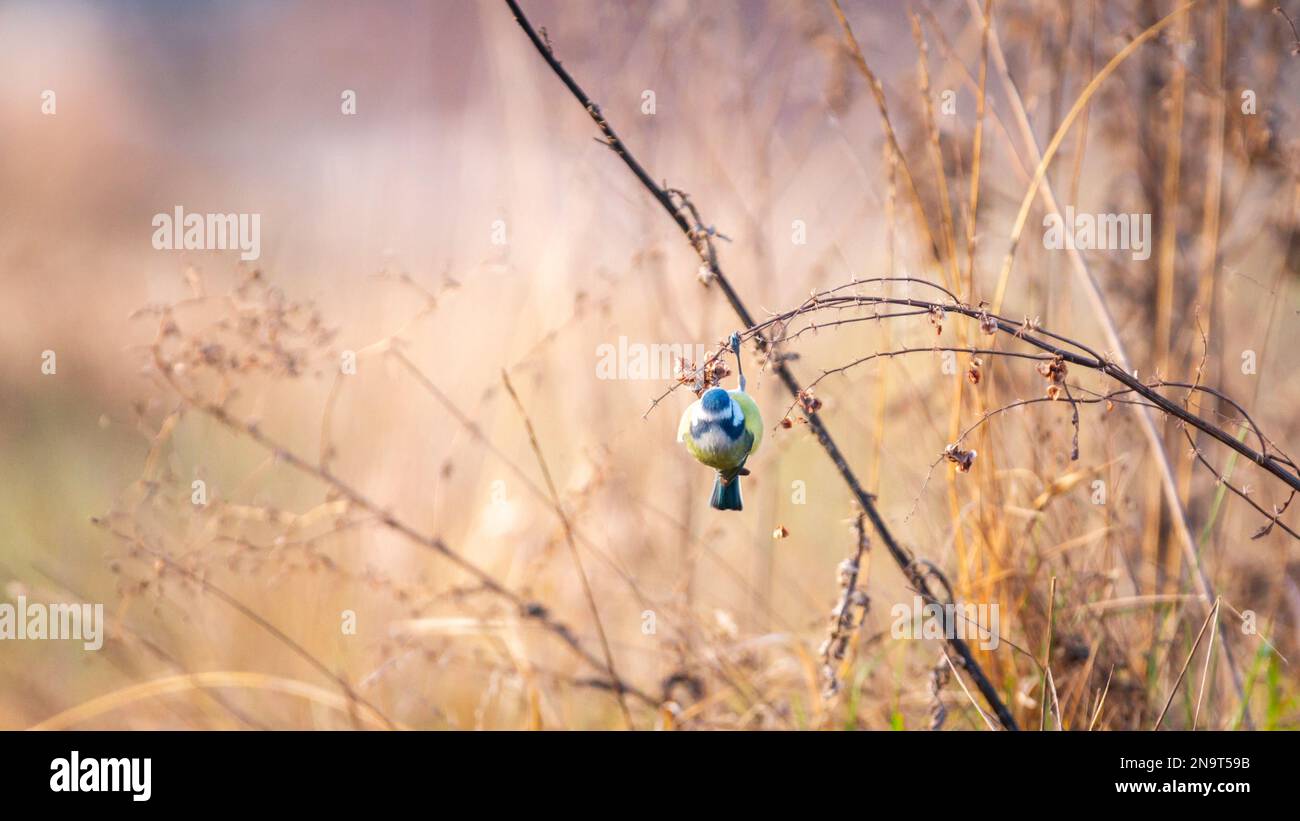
[715, 400]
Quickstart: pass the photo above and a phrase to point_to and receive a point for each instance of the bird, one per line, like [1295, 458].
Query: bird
[722, 429]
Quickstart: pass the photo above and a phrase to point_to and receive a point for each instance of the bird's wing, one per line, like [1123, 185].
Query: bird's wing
[753, 419]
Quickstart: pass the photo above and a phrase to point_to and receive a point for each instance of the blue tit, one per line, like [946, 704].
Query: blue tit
[722, 429]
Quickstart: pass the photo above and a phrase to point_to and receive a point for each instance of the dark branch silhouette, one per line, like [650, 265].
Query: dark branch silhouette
[678, 207]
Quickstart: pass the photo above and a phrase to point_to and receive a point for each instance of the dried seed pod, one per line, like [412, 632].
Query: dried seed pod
[963, 459]
[717, 371]
[936, 319]
[973, 373]
[810, 403]
[1053, 370]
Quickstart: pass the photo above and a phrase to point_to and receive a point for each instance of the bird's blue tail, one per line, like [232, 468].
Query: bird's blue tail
[726, 495]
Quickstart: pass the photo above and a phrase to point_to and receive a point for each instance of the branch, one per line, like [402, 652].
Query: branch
[1278, 464]
[573, 551]
[526, 609]
[702, 240]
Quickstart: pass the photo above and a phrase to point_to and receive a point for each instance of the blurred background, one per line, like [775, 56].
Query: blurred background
[463, 222]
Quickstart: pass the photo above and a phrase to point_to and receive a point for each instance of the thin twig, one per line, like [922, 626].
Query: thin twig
[1041, 185]
[1047, 653]
[1186, 663]
[1101, 702]
[526, 609]
[704, 246]
[1205, 671]
[1277, 464]
[573, 550]
[253, 616]
[962, 684]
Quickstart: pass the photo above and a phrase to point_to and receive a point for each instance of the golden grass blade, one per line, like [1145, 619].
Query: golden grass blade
[1186, 663]
[1050, 152]
[573, 551]
[110, 702]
